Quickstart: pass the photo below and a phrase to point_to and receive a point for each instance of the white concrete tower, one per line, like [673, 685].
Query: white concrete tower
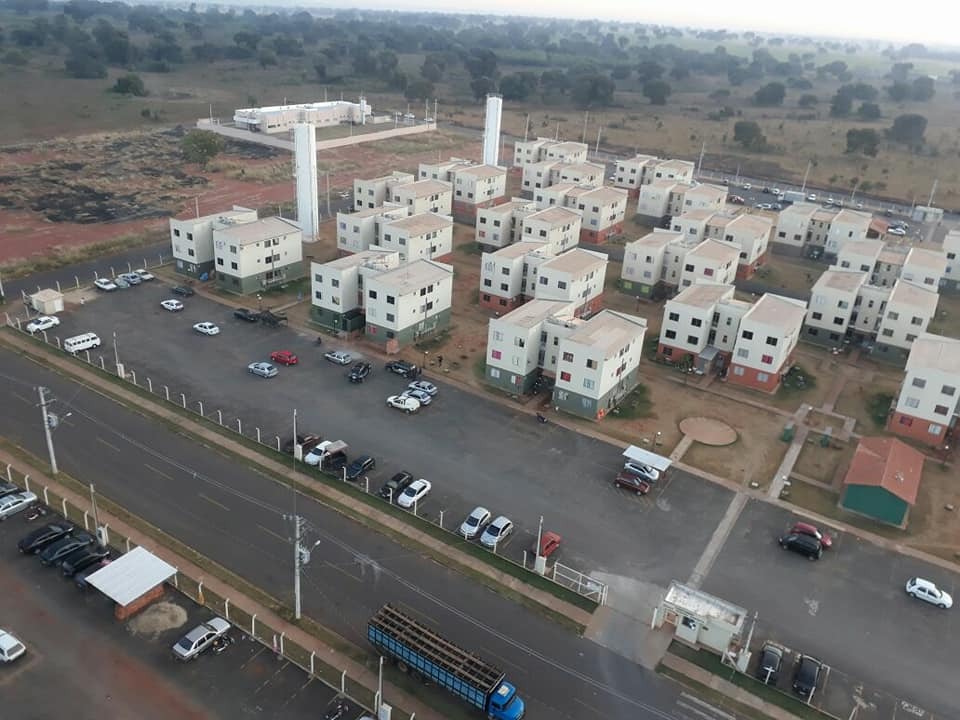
[305, 162]
[491, 130]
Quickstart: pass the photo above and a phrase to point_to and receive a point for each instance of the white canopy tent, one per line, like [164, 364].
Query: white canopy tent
[645, 457]
[131, 576]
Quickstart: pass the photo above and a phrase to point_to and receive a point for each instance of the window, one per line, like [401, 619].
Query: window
[919, 383]
[318, 295]
[817, 316]
[390, 317]
[190, 252]
[519, 342]
[948, 390]
[708, 272]
[934, 429]
[233, 266]
[696, 322]
[505, 271]
[738, 370]
[372, 295]
[233, 249]
[688, 268]
[568, 357]
[588, 383]
[487, 282]
[910, 338]
[565, 376]
[674, 316]
[838, 321]
[743, 353]
[544, 280]
[887, 332]
[692, 339]
[747, 335]
[176, 233]
[497, 335]
[893, 315]
[766, 359]
[843, 304]
[916, 321]
[671, 334]
[762, 377]
[391, 300]
[772, 341]
[505, 287]
[219, 261]
[496, 354]
[941, 410]
[189, 236]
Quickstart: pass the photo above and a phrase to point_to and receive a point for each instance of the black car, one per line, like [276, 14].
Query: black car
[359, 372]
[395, 485]
[307, 442]
[360, 467]
[806, 675]
[806, 545]
[182, 290]
[771, 659]
[41, 537]
[56, 552]
[80, 578]
[82, 559]
[8, 488]
[245, 314]
[401, 367]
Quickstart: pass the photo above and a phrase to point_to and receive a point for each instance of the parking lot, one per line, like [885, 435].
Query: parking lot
[82, 663]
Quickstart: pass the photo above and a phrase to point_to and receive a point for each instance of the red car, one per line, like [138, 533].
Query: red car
[631, 481]
[826, 542]
[284, 357]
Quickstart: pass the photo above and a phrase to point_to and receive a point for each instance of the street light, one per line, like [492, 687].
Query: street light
[259, 302]
[51, 422]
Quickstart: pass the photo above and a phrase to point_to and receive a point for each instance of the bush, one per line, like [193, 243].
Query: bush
[14, 57]
[130, 84]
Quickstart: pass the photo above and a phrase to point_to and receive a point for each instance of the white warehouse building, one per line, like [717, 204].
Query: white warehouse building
[282, 118]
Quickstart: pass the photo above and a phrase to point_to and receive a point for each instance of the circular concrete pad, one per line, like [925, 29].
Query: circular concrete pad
[708, 431]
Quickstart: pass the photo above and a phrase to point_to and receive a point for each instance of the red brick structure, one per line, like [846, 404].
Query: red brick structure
[124, 612]
[753, 378]
[500, 304]
[914, 428]
[592, 306]
[747, 271]
[466, 212]
[599, 237]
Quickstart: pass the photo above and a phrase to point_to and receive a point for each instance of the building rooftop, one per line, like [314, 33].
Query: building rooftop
[586, 167]
[935, 352]
[700, 215]
[361, 258]
[824, 215]
[704, 606]
[716, 250]
[892, 256]
[801, 209]
[569, 145]
[518, 249]
[482, 171]
[777, 310]
[414, 275]
[560, 188]
[395, 175]
[639, 160]
[507, 207]
[862, 247]
[656, 239]
[674, 164]
[857, 217]
[751, 224]
[703, 295]
[609, 331]
[914, 295]
[535, 311]
[666, 185]
[575, 260]
[601, 195]
[424, 187]
[421, 223]
[887, 463]
[845, 280]
[213, 217]
[555, 215]
[706, 191]
[259, 230]
[930, 259]
[379, 210]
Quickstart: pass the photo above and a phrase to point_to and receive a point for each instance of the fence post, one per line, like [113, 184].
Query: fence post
[26, 482]
[86, 523]
[57, 338]
[281, 644]
[133, 374]
[150, 385]
[129, 266]
[219, 417]
[343, 681]
[200, 403]
[106, 535]
[145, 266]
[226, 607]
[46, 495]
[63, 504]
[58, 286]
[88, 356]
[258, 435]
[77, 279]
[103, 365]
[312, 655]
[239, 427]
[200, 593]
[176, 580]
[278, 442]
[441, 519]
[166, 391]
[253, 626]
[183, 399]
[128, 544]
[9, 473]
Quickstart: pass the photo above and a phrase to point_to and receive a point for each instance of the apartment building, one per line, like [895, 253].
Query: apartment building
[709, 261]
[833, 304]
[793, 223]
[407, 303]
[537, 176]
[254, 256]
[502, 225]
[889, 266]
[559, 227]
[336, 288]
[423, 196]
[359, 231]
[506, 275]
[806, 229]
[576, 277]
[690, 321]
[602, 212]
[704, 197]
[633, 173]
[443, 170]
[643, 265]
[660, 199]
[768, 335]
[860, 255]
[749, 233]
[372, 193]
[928, 406]
[191, 240]
[533, 151]
[426, 236]
[951, 249]
[475, 187]
[907, 315]
[926, 268]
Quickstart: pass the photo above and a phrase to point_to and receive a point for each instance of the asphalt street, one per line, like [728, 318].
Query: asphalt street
[235, 516]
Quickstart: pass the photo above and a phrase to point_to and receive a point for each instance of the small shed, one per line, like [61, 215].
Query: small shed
[925, 213]
[133, 581]
[883, 480]
[47, 301]
[703, 620]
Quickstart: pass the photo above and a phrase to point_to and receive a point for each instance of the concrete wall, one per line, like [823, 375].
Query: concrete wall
[263, 139]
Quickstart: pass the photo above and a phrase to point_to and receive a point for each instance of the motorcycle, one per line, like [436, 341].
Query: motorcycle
[37, 511]
[541, 418]
[339, 710]
[222, 643]
[319, 340]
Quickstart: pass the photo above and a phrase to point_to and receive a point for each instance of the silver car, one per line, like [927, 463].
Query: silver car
[200, 638]
[263, 369]
[474, 523]
[12, 504]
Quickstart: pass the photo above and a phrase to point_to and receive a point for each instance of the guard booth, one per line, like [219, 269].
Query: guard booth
[47, 301]
[645, 457]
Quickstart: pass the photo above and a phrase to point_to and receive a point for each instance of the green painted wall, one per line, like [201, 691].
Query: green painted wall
[256, 283]
[508, 381]
[434, 324]
[875, 502]
[637, 289]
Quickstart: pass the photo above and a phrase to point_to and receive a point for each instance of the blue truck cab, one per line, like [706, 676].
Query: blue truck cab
[505, 704]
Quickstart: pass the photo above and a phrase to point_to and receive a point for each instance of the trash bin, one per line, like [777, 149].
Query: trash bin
[788, 432]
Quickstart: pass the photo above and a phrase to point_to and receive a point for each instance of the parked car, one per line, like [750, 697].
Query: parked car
[807, 546]
[206, 328]
[395, 485]
[401, 367]
[631, 481]
[105, 284]
[10, 647]
[182, 290]
[132, 278]
[340, 357]
[549, 544]
[812, 197]
[926, 590]
[424, 386]
[359, 372]
[419, 395]
[476, 520]
[263, 369]
[200, 638]
[143, 274]
[404, 402]
[496, 532]
[414, 493]
[247, 315]
[806, 675]
[360, 467]
[747, 186]
[803, 528]
[771, 660]
[284, 357]
[82, 559]
[171, 305]
[42, 323]
[645, 471]
[900, 232]
[121, 283]
[41, 537]
[15, 502]
[8, 488]
[53, 554]
[307, 442]
[80, 579]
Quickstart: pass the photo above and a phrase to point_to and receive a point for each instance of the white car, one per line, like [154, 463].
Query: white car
[12, 504]
[263, 369]
[474, 523]
[420, 396]
[812, 197]
[144, 275]
[200, 638]
[132, 278]
[42, 323]
[414, 493]
[926, 590]
[105, 284]
[340, 357]
[10, 647]
[404, 402]
[171, 305]
[645, 471]
[496, 532]
[424, 386]
[900, 232]
[206, 328]
[747, 186]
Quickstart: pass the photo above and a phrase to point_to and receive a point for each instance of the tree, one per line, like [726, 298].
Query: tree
[864, 140]
[387, 62]
[518, 86]
[481, 63]
[807, 100]
[770, 94]
[130, 84]
[249, 40]
[899, 91]
[749, 135]
[481, 87]
[736, 74]
[201, 146]
[590, 90]
[862, 91]
[900, 71]
[320, 68]
[841, 104]
[868, 111]
[908, 129]
[267, 58]
[922, 89]
[620, 72]
[114, 43]
[649, 70]
[84, 65]
[431, 71]
[554, 82]
[657, 91]
[418, 90]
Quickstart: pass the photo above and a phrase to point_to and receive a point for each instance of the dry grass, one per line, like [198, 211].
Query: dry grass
[947, 321]
[855, 398]
[824, 463]
[755, 456]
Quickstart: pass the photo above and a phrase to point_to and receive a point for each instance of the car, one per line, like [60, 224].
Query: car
[82, 559]
[900, 232]
[747, 186]
[395, 485]
[284, 357]
[496, 532]
[359, 372]
[401, 367]
[247, 315]
[771, 660]
[404, 402]
[736, 200]
[631, 481]
[859, 206]
[549, 544]
[132, 278]
[42, 323]
[41, 537]
[473, 525]
[144, 275]
[806, 676]
[344, 194]
[419, 395]
[340, 357]
[764, 206]
[191, 645]
[262, 369]
[807, 529]
[644, 471]
[414, 493]
[306, 441]
[171, 305]
[926, 590]
[121, 282]
[423, 385]
[360, 467]
[829, 202]
[10, 647]
[805, 545]
[105, 284]
[182, 290]
[53, 554]
[206, 328]
[776, 191]
[8, 488]
[80, 579]
[15, 502]
[319, 452]
[765, 191]
[812, 197]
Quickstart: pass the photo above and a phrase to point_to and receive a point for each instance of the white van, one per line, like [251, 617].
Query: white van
[81, 342]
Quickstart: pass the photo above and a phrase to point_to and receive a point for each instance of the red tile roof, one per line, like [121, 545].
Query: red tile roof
[887, 463]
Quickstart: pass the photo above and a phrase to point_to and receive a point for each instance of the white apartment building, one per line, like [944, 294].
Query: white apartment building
[926, 268]
[632, 173]
[688, 322]
[426, 236]
[660, 199]
[253, 256]
[602, 211]
[336, 287]
[534, 151]
[407, 303]
[423, 196]
[889, 266]
[928, 406]
[768, 335]
[641, 273]
[475, 187]
[549, 172]
[704, 196]
[576, 276]
[907, 315]
[860, 255]
[559, 227]
[793, 223]
[358, 231]
[537, 175]
[506, 276]
[951, 249]
[442, 170]
[709, 261]
[749, 233]
[806, 229]
[502, 225]
[372, 193]
[191, 240]
[833, 302]
[845, 226]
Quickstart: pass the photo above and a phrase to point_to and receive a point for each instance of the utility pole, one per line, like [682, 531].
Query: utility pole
[803, 188]
[586, 116]
[703, 147]
[1, 289]
[596, 148]
[297, 553]
[328, 193]
[557, 136]
[48, 431]
[526, 128]
[933, 192]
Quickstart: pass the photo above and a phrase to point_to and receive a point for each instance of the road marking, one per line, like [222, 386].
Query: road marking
[296, 692]
[104, 442]
[272, 677]
[695, 711]
[214, 502]
[340, 569]
[717, 541]
[21, 397]
[518, 668]
[158, 472]
[254, 656]
[589, 707]
[281, 538]
[707, 705]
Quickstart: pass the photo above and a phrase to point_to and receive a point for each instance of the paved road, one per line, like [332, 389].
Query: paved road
[234, 515]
